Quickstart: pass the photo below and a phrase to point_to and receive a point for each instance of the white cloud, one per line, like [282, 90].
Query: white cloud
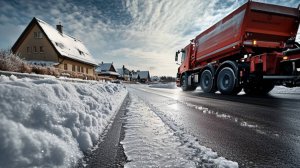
[140, 34]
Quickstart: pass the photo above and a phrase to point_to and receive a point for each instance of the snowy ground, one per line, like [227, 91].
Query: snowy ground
[49, 123]
[285, 90]
[151, 140]
[276, 90]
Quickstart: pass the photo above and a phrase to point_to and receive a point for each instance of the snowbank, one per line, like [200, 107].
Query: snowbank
[49, 123]
[171, 85]
[285, 90]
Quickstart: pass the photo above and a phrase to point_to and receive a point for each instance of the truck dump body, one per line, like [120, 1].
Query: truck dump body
[253, 48]
[268, 25]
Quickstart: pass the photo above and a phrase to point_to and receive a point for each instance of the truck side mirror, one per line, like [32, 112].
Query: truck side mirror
[176, 56]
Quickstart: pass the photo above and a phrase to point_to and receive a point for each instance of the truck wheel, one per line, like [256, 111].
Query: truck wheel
[226, 81]
[184, 84]
[206, 82]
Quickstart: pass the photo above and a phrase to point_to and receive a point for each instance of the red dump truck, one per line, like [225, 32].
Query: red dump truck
[253, 48]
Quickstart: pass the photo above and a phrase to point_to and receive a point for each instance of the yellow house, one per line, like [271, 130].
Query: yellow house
[42, 44]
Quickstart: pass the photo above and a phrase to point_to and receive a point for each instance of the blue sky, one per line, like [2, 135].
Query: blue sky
[141, 34]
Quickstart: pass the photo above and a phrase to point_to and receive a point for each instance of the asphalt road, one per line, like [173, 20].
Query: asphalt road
[253, 131]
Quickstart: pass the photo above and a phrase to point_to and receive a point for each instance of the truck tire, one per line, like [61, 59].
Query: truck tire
[206, 82]
[184, 84]
[226, 81]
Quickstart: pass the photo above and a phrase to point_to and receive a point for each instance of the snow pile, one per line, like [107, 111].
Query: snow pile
[171, 85]
[49, 123]
[285, 90]
[149, 142]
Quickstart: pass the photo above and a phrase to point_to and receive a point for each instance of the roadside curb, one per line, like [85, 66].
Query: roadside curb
[110, 152]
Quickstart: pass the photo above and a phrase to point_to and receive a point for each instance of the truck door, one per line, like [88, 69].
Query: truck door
[184, 60]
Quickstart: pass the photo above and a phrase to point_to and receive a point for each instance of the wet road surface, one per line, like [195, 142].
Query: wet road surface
[253, 131]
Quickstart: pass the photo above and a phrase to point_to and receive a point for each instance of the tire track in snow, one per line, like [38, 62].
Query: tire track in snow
[151, 140]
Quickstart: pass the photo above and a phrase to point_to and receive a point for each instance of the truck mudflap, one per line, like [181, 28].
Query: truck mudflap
[178, 82]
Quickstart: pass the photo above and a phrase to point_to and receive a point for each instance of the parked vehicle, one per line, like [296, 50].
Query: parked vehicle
[253, 48]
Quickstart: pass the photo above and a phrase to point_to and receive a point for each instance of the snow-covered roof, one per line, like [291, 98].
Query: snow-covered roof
[66, 45]
[124, 71]
[135, 76]
[104, 67]
[144, 74]
[120, 71]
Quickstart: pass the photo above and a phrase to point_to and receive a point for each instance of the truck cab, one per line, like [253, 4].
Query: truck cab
[185, 58]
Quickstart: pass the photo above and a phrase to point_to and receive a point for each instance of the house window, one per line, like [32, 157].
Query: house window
[73, 68]
[28, 49]
[78, 68]
[65, 66]
[34, 49]
[87, 70]
[37, 35]
[82, 69]
[41, 49]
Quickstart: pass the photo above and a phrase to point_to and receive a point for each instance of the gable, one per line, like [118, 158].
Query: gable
[144, 74]
[106, 67]
[29, 46]
[64, 45]
[112, 68]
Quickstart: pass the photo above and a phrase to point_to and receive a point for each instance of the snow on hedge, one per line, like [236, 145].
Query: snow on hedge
[49, 123]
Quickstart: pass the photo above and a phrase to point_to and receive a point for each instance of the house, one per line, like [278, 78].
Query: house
[135, 77]
[43, 44]
[107, 70]
[144, 76]
[155, 78]
[124, 73]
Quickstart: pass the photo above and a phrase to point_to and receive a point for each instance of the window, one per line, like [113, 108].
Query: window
[38, 35]
[82, 69]
[73, 68]
[34, 49]
[65, 66]
[78, 68]
[87, 70]
[28, 49]
[80, 52]
[183, 56]
[41, 49]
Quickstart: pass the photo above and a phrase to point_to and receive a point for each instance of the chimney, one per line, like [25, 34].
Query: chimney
[59, 28]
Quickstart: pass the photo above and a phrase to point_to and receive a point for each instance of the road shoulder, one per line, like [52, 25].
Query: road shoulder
[109, 152]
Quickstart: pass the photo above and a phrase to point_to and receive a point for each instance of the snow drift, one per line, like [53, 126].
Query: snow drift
[50, 123]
